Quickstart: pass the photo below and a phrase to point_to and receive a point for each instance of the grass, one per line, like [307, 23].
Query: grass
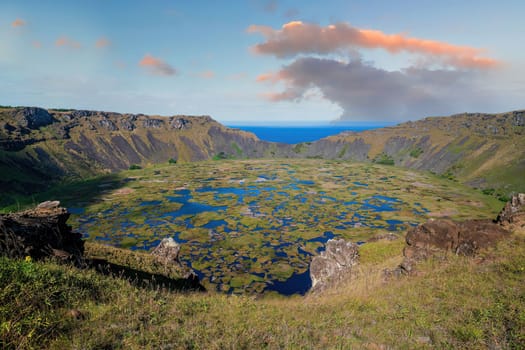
[460, 303]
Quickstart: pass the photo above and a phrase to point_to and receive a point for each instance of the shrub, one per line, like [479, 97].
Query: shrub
[416, 152]
[134, 167]
[172, 161]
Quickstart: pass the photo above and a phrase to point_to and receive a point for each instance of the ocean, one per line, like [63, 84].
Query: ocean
[293, 135]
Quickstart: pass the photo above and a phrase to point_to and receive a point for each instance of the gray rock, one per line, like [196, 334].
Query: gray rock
[179, 123]
[153, 123]
[40, 233]
[33, 117]
[513, 211]
[108, 124]
[167, 252]
[333, 265]
[127, 124]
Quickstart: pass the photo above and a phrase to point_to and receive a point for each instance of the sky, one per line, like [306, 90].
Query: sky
[267, 62]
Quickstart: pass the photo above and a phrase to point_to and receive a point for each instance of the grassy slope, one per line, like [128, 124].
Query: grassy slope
[491, 148]
[456, 303]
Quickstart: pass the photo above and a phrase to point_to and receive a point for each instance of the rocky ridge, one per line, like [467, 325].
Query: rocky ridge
[40, 233]
[48, 145]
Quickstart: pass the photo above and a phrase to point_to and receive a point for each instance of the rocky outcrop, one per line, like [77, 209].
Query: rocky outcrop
[179, 123]
[514, 211]
[333, 265]
[33, 117]
[443, 236]
[40, 233]
[167, 252]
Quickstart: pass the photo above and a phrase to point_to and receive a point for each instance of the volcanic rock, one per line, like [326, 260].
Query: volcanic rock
[33, 117]
[446, 236]
[167, 252]
[514, 211]
[40, 233]
[333, 265]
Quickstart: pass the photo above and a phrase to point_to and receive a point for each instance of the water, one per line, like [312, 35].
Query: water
[293, 135]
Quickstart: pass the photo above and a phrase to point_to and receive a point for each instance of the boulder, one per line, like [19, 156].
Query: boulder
[514, 211]
[33, 117]
[40, 233]
[179, 123]
[151, 123]
[441, 236]
[333, 265]
[167, 252]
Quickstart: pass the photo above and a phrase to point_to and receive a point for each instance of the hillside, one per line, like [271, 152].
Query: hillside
[456, 302]
[41, 147]
[481, 150]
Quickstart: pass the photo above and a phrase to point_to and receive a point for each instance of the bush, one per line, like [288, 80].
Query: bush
[172, 161]
[416, 152]
[384, 159]
[134, 167]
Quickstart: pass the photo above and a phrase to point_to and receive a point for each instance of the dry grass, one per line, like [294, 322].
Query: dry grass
[453, 303]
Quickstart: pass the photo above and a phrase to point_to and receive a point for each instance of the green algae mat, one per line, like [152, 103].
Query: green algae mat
[253, 226]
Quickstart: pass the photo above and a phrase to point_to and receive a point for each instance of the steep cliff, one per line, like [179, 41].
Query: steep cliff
[39, 147]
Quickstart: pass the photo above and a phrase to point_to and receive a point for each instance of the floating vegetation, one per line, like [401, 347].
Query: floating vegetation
[253, 226]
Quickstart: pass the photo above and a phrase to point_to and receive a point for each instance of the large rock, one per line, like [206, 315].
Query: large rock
[40, 233]
[333, 265]
[33, 117]
[446, 236]
[167, 252]
[514, 211]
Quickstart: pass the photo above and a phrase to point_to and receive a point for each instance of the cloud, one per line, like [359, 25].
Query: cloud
[366, 92]
[207, 74]
[18, 23]
[157, 66]
[64, 41]
[102, 42]
[296, 38]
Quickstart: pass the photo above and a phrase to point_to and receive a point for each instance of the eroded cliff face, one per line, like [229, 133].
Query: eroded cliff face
[482, 150]
[38, 146]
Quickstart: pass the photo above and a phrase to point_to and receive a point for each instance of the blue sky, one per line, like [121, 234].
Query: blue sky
[263, 61]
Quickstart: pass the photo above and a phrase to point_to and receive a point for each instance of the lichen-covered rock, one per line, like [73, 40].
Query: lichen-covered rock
[514, 211]
[33, 117]
[179, 123]
[167, 252]
[40, 233]
[446, 236]
[108, 124]
[333, 265]
[151, 123]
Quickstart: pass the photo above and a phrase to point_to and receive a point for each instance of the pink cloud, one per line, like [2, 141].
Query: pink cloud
[64, 41]
[18, 23]
[297, 37]
[208, 74]
[157, 66]
[102, 42]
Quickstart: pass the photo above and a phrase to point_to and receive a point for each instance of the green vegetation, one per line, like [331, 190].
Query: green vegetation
[299, 148]
[416, 152]
[237, 149]
[253, 206]
[134, 167]
[172, 161]
[457, 303]
[343, 151]
[384, 159]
